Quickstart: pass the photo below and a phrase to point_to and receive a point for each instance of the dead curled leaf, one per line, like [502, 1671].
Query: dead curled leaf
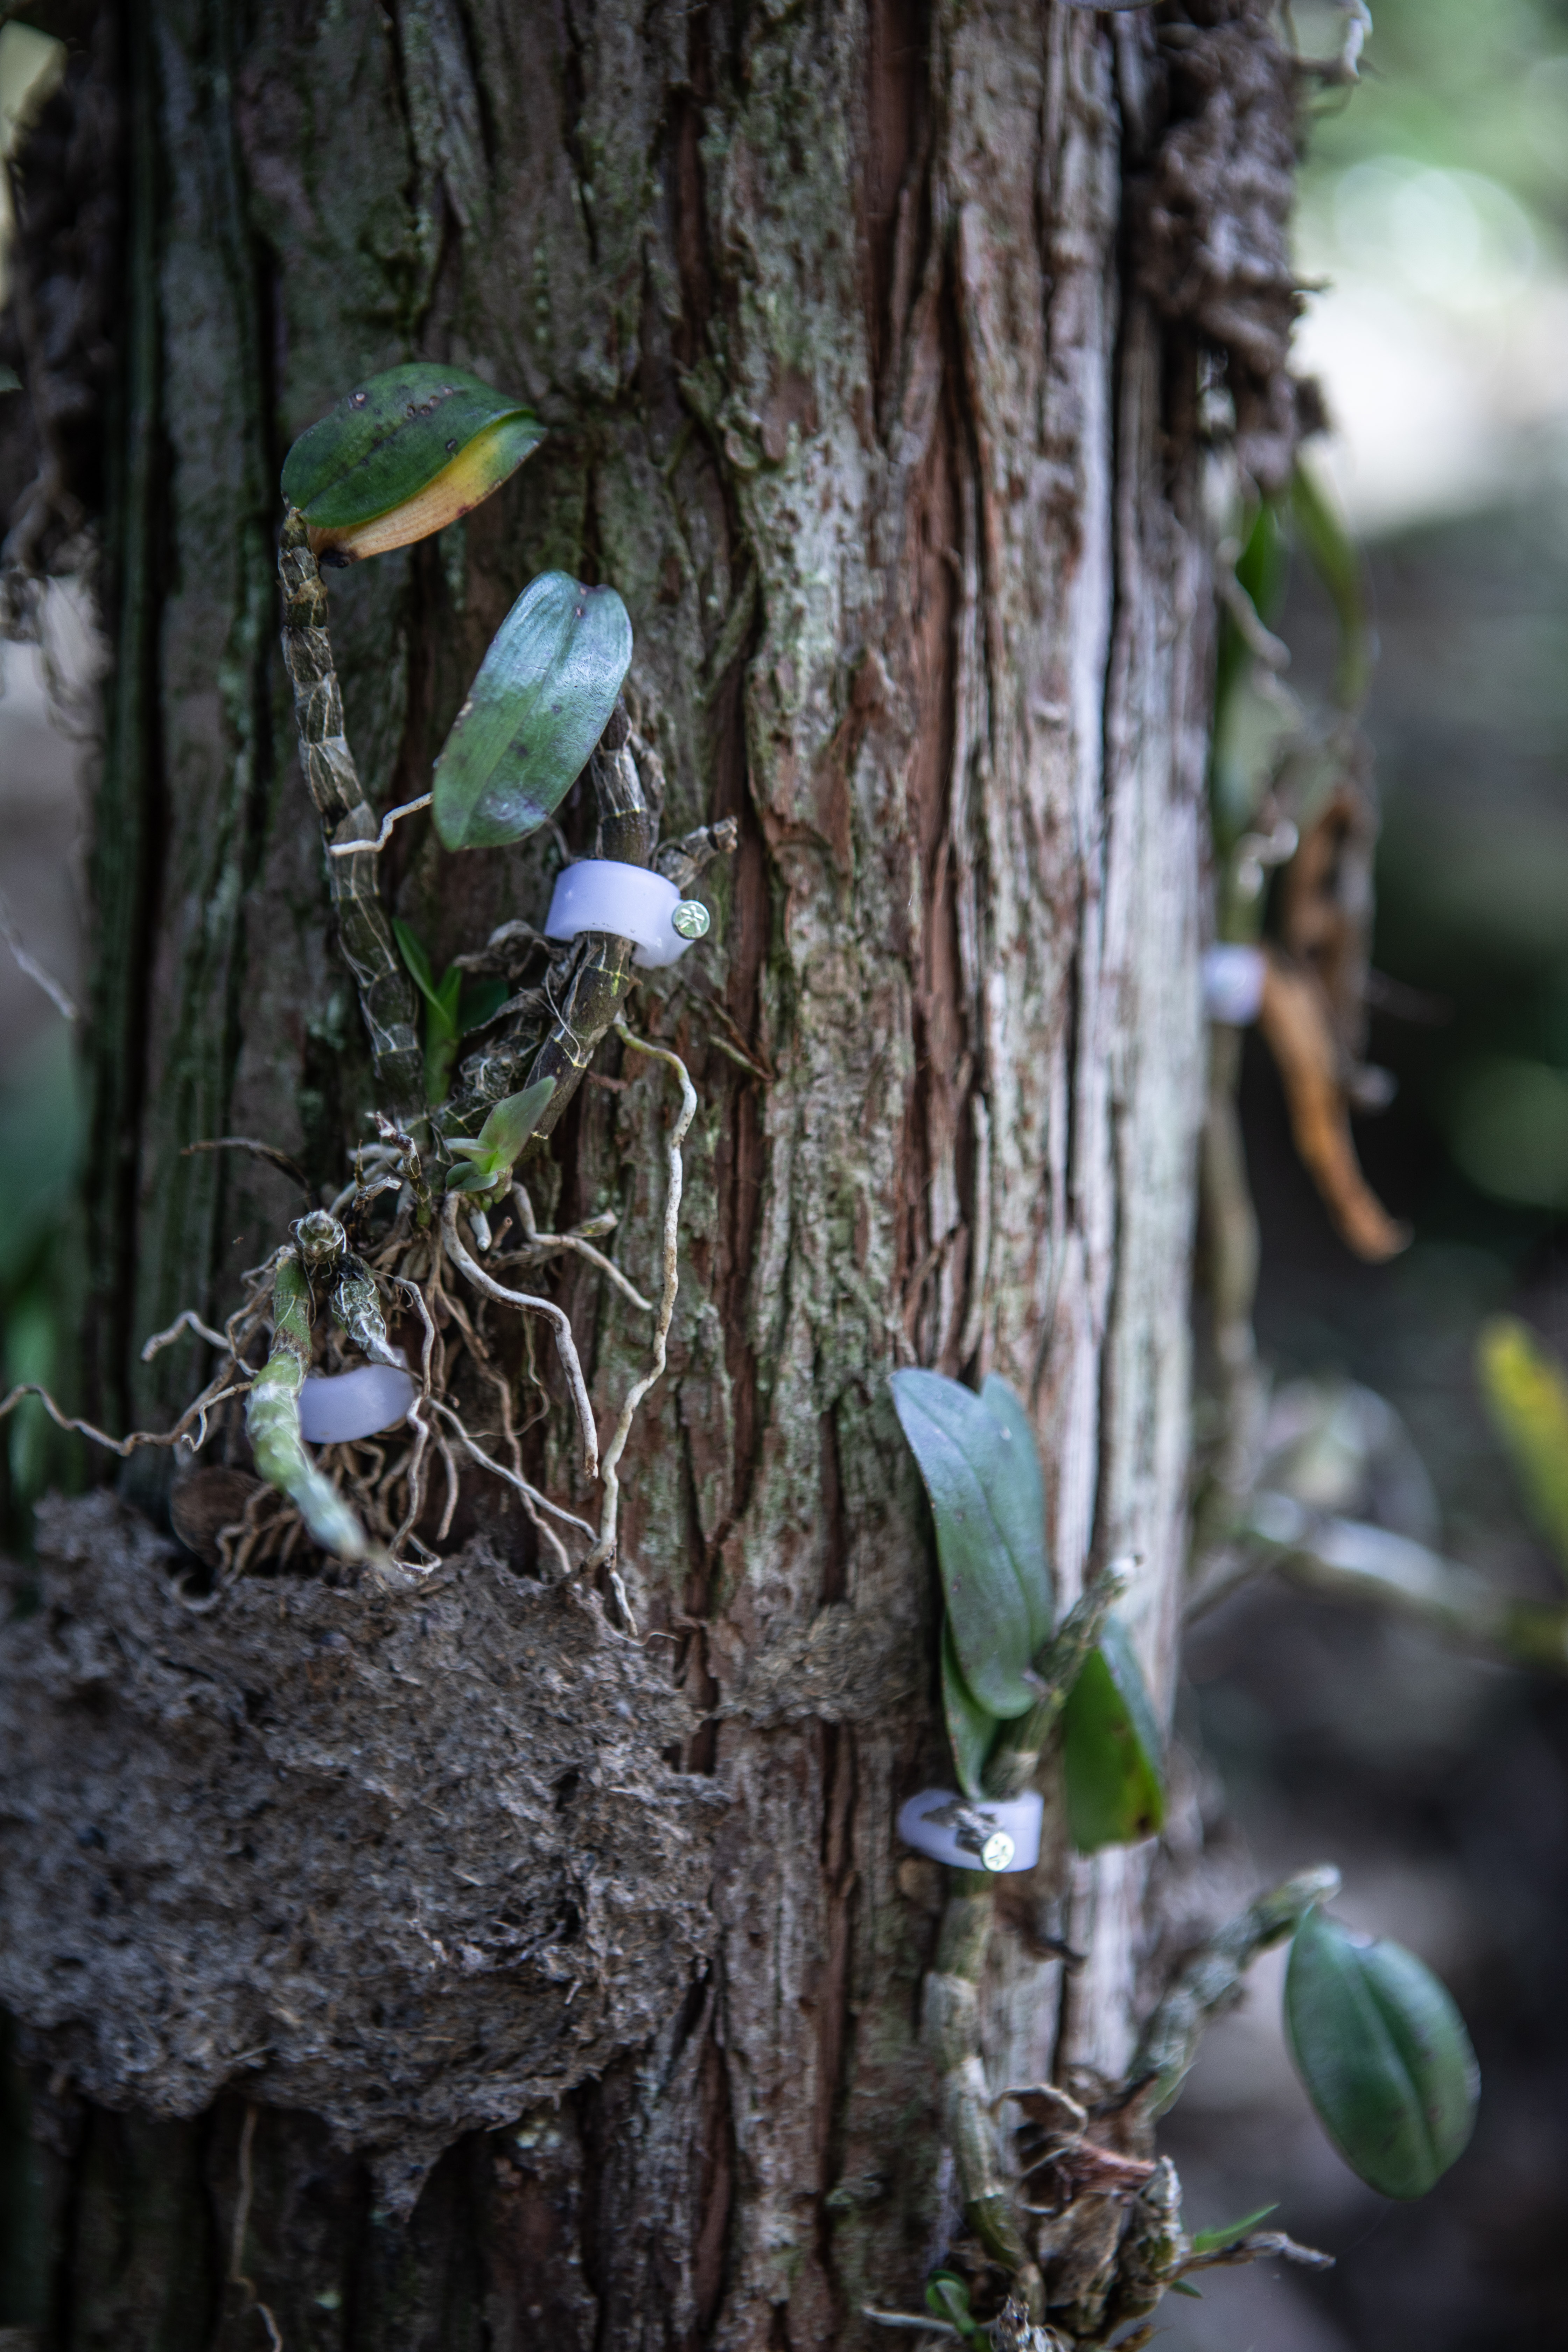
[1298, 1024]
[1326, 900]
[1058, 2163]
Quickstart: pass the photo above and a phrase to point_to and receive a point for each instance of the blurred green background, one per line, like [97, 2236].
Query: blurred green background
[48, 716]
[1435, 213]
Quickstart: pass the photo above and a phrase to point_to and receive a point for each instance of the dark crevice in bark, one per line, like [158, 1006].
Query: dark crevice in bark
[1113, 1404]
[125, 850]
[143, 2263]
[431, 328]
[689, 208]
[416, 301]
[897, 51]
[573, 89]
[1123, 615]
[254, 638]
[697, 1601]
[65, 2143]
[940, 1022]
[834, 1529]
[590, 559]
[741, 1154]
[479, 82]
[1182, 363]
[835, 2026]
[1073, 993]
[716, 2186]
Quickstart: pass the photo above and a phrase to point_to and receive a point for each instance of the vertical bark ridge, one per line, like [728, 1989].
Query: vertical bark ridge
[121, 874]
[213, 663]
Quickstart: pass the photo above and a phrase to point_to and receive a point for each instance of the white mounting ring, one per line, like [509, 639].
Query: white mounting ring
[336, 1408]
[631, 902]
[1233, 984]
[1012, 1829]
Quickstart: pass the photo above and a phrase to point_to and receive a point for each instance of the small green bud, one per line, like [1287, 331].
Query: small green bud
[491, 1153]
[322, 1240]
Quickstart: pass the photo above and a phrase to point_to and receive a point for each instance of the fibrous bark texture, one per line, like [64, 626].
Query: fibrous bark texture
[865, 394]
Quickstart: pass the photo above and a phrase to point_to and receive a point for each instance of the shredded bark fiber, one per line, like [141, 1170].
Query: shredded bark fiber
[1213, 212]
[414, 1863]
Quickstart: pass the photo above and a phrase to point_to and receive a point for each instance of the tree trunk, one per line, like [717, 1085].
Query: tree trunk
[875, 342]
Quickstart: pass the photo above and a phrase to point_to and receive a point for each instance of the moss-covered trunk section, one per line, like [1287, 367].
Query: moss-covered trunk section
[836, 315]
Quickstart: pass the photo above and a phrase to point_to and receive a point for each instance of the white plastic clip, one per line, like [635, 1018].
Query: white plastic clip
[992, 1834]
[633, 902]
[335, 1408]
[1233, 984]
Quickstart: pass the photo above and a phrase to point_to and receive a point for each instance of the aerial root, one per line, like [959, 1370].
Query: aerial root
[542, 1245]
[389, 1483]
[604, 1551]
[196, 1413]
[565, 1346]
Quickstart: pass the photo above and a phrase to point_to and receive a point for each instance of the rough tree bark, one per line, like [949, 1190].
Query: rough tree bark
[879, 342]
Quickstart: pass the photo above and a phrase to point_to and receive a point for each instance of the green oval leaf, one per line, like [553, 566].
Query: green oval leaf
[971, 1727]
[1383, 2054]
[1113, 1754]
[983, 1476]
[390, 439]
[533, 714]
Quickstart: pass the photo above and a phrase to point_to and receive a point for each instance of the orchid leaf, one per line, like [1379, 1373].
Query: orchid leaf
[405, 453]
[416, 956]
[1112, 1749]
[1383, 2054]
[971, 1727]
[472, 1176]
[442, 1000]
[511, 1122]
[982, 1474]
[490, 1153]
[533, 714]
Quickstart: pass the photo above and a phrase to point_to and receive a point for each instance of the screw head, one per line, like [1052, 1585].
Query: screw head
[997, 1851]
[691, 919]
